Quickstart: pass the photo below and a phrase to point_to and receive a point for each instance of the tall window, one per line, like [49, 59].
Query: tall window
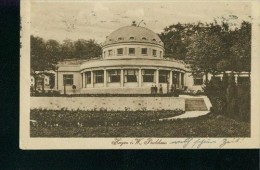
[198, 79]
[114, 76]
[160, 54]
[131, 75]
[110, 52]
[88, 77]
[175, 78]
[154, 53]
[131, 51]
[163, 76]
[99, 76]
[120, 51]
[148, 75]
[144, 51]
[68, 79]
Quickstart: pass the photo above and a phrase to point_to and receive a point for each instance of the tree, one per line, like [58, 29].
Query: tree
[177, 37]
[67, 49]
[37, 53]
[216, 48]
[207, 49]
[87, 49]
[44, 56]
[52, 54]
[241, 48]
[223, 65]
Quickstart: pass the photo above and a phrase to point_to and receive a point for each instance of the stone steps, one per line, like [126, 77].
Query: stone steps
[195, 105]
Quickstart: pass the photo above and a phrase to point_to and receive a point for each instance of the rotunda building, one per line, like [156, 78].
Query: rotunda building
[132, 62]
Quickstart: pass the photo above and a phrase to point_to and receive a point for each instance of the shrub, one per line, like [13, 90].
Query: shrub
[228, 98]
[176, 93]
[243, 92]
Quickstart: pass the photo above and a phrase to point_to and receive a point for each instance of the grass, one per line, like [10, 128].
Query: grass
[133, 124]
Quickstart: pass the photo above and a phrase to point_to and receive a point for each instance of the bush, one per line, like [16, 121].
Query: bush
[228, 98]
[244, 101]
[176, 93]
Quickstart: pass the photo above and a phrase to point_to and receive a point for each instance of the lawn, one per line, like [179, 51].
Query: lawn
[46, 123]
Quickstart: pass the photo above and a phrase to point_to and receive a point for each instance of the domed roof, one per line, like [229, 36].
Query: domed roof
[133, 33]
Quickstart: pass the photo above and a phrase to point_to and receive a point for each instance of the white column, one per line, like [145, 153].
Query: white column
[236, 78]
[157, 78]
[140, 77]
[56, 81]
[204, 78]
[170, 79]
[105, 78]
[92, 79]
[183, 79]
[84, 80]
[122, 78]
[180, 80]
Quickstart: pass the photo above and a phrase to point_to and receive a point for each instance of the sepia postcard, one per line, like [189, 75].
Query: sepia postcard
[139, 74]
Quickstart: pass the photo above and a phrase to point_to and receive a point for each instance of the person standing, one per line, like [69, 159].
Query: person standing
[161, 89]
[172, 88]
[155, 89]
[152, 90]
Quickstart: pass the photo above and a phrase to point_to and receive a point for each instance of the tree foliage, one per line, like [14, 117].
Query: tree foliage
[210, 47]
[86, 49]
[177, 37]
[46, 54]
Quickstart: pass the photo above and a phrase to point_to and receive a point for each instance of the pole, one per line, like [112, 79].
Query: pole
[64, 84]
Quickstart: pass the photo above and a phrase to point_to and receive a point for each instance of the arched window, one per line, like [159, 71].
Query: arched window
[132, 38]
[153, 39]
[144, 38]
[120, 38]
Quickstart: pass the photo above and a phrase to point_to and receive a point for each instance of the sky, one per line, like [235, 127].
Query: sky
[96, 20]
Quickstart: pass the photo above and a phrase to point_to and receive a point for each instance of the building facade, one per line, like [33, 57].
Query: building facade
[132, 62]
